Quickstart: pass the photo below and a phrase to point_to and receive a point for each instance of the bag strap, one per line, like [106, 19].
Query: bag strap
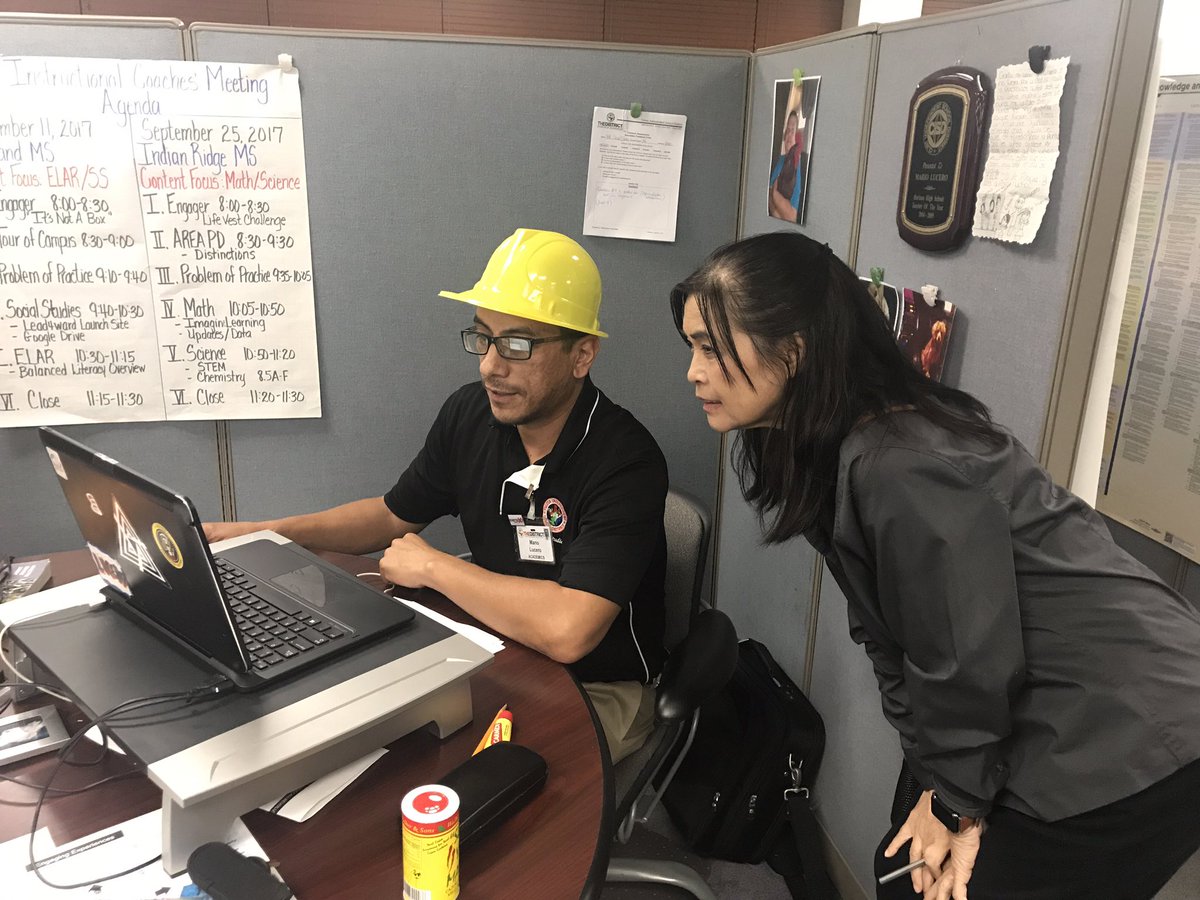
[800, 860]
[817, 883]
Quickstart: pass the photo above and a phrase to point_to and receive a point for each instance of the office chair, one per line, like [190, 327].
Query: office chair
[702, 659]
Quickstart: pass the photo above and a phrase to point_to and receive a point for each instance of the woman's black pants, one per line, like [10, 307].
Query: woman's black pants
[1123, 851]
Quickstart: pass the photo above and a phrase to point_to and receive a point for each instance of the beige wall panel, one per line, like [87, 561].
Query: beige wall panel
[687, 23]
[784, 21]
[421, 16]
[238, 12]
[569, 20]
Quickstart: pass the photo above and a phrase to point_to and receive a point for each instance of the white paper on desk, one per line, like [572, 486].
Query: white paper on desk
[484, 639]
[108, 851]
[303, 803]
[1022, 152]
[633, 175]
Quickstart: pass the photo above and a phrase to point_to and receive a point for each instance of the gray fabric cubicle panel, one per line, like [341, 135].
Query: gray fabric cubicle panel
[767, 590]
[1012, 301]
[34, 518]
[862, 753]
[1012, 298]
[422, 155]
[839, 137]
[94, 37]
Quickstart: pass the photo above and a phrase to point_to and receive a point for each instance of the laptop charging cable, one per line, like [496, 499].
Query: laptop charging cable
[208, 690]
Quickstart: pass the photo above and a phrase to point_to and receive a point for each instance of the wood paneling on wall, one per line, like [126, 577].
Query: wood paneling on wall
[683, 23]
[933, 7]
[41, 6]
[237, 12]
[784, 21]
[565, 20]
[733, 24]
[421, 16]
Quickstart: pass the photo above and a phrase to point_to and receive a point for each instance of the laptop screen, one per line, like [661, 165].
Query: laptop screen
[148, 546]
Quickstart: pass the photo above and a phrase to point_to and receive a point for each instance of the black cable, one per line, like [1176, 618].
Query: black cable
[62, 791]
[209, 690]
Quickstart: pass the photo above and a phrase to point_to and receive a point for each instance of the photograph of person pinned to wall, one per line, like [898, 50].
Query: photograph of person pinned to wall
[925, 332]
[791, 146]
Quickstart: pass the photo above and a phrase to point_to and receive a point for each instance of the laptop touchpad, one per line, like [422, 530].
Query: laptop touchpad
[307, 583]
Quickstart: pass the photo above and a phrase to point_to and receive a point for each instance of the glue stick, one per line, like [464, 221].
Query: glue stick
[499, 730]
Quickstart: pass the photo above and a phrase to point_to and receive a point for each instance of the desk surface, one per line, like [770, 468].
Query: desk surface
[557, 846]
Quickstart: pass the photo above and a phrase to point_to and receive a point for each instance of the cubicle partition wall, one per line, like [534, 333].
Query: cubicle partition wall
[768, 590]
[1024, 314]
[34, 518]
[422, 155]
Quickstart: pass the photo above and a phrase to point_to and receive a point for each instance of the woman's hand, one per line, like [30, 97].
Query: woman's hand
[932, 841]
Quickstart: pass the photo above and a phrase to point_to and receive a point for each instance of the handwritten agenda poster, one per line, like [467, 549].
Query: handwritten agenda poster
[155, 260]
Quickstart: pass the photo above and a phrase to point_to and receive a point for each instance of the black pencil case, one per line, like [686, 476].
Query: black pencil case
[492, 785]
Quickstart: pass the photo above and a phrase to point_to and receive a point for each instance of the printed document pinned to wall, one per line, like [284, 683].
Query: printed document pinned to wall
[1022, 152]
[1150, 472]
[633, 175]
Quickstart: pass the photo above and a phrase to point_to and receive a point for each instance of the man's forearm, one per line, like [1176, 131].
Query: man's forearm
[363, 526]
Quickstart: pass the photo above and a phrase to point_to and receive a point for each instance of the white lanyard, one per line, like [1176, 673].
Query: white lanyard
[528, 480]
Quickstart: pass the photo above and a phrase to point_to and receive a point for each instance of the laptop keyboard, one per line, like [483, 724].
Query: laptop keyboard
[276, 630]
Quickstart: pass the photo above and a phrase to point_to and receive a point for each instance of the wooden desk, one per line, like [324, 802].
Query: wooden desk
[557, 846]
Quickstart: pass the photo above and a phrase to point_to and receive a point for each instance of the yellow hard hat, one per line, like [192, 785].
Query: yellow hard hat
[543, 276]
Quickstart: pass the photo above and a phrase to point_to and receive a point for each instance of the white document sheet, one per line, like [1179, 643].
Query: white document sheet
[633, 175]
[1023, 145]
[106, 852]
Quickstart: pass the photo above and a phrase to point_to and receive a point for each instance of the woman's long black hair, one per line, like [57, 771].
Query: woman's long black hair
[773, 287]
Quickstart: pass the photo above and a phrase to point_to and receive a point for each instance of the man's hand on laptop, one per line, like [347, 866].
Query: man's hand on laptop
[219, 531]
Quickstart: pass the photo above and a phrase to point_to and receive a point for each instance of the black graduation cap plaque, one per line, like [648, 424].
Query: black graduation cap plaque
[942, 157]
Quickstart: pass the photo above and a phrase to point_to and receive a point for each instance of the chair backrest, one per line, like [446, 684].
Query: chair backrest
[687, 527]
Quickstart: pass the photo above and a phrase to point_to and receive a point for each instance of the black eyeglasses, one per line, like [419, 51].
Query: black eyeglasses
[509, 346]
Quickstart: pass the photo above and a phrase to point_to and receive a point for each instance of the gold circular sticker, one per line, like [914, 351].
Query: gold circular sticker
[166, 545]
[937, 128]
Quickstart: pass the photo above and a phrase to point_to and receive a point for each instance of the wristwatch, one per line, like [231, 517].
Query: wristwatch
[954, 822]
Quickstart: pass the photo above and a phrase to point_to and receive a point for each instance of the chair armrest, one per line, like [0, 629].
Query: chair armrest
[700, 666]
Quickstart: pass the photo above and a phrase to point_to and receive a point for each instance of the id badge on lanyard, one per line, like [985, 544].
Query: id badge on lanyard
[533, 541]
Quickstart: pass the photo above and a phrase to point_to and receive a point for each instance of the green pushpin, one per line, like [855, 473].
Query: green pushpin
[797, 76]
[635, 110]
[877, 275]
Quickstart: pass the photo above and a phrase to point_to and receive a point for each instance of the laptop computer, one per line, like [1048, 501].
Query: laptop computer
[256, 613]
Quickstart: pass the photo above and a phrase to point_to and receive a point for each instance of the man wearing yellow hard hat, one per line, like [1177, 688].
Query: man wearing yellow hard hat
[560, 491]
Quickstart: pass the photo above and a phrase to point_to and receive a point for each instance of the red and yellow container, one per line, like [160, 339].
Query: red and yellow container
[429, 826]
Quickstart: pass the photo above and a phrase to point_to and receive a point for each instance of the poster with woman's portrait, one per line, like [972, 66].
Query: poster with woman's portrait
[791, 146]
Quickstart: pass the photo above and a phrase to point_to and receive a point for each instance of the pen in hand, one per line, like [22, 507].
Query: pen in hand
[903, 870]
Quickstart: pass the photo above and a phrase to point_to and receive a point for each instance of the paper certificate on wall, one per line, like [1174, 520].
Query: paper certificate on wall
[633, 174]
[155, 259]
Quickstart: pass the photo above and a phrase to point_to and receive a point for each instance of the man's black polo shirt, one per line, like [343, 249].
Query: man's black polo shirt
[603, 488]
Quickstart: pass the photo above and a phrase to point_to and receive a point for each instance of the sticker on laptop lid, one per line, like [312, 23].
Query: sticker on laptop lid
[166, 545]
[109, 569]
[57, 463]
[131, 547]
